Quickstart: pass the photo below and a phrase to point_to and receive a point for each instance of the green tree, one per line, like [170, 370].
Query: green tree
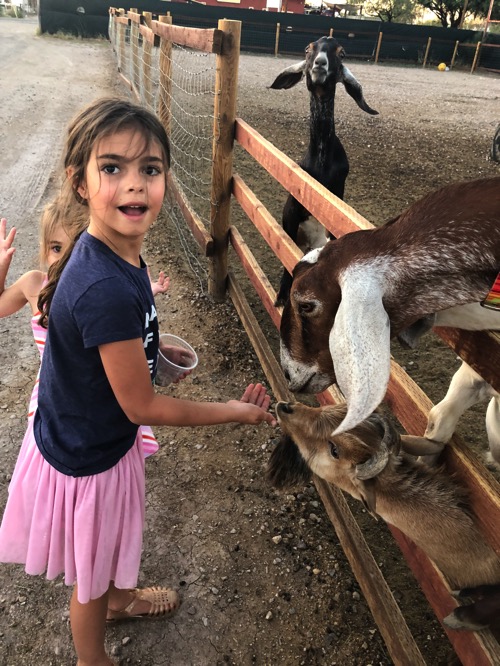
[451, 12]
[389, 11]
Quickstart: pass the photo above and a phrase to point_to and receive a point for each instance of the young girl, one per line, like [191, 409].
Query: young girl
[63, 220]
[76, 499]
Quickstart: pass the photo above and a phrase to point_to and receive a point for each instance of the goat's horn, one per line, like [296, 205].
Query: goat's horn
[374, 465]
[360, 348]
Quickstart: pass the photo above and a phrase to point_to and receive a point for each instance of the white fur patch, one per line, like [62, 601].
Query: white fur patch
[311, 257]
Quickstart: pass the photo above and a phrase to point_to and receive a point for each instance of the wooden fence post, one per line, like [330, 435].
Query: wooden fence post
[134, 42]
[226, 87]
[277, 40]
[379, 43]
[455, 51]
[121, 43]
[476, 57]
[147, 81]
[165, 87]
[428, 48]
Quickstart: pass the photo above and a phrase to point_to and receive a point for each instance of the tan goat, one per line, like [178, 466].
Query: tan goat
[426, 504]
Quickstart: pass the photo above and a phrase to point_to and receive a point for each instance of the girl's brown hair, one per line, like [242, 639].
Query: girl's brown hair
[64, 212]
[100, 119]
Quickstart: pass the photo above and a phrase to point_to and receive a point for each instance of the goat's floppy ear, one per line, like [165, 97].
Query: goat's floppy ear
[286, 466]
[353, 88]
[360, 347]
[289, 77]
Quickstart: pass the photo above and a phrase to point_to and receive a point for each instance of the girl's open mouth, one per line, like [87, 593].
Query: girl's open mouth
[133, 211]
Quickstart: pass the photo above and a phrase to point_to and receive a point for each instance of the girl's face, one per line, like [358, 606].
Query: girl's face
[124, 187]
[57, 244]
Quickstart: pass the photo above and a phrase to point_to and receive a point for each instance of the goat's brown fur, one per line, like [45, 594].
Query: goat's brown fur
[424, 503]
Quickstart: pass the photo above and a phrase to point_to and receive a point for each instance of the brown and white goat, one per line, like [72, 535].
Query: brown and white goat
[426, 504]
[431, 265]
[325, 158]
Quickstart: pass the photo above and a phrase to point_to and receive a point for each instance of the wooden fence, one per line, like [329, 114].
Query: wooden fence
[406, 400]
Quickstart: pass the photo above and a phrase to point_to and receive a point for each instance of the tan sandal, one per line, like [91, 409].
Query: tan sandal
[163, 601]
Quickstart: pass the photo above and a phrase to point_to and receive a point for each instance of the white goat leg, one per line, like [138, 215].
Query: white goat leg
[493, 429]
[466, 388]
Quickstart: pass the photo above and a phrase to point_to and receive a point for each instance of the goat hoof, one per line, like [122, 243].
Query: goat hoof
[453, 621]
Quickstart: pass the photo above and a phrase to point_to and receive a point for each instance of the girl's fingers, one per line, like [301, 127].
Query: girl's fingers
[8, 239]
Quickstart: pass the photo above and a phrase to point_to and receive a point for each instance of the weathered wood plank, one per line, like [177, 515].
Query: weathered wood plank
[207, 40]
[198, 229]
[480, 349]
[257, 276]
[332, 212]
[272, 232]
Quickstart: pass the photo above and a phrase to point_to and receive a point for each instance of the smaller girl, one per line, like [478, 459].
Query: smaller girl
[76, 498]
[63, 220]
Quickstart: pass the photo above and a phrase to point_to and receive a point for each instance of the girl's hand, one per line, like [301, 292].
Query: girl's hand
[161, 285]
[253, 406]
[6, 249]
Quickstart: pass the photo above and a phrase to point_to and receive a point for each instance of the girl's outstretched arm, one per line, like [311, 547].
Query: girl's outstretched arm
[127, 371]
[23, 290]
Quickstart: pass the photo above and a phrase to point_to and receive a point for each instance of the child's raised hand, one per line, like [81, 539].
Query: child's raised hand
[255, 401]
[6, 240]
[161, 285]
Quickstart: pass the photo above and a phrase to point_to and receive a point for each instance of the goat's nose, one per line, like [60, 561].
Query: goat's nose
[287, 375]
[321, 60]
[285, 407]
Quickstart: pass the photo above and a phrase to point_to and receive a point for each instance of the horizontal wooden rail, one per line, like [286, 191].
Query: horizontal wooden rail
[272, 232]
[147, 34]
[207, 40]
[480, 349]
[194, 222]
[257, 276]
[122, 19]
[332, 212]
[135, 17]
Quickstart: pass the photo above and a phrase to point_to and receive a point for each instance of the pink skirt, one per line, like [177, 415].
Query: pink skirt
[89, 528]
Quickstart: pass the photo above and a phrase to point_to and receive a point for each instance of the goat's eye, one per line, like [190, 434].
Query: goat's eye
[333, 450]
[307, 307]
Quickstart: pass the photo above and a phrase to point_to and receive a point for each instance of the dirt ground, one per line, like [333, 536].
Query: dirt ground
[262, 576]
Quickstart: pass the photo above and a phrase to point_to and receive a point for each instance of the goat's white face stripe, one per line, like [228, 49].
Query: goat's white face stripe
[320, 68]
[299, 373]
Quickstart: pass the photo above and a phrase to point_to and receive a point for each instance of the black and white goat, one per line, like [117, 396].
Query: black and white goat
[431, 265]
[325, 159]
[371, 463]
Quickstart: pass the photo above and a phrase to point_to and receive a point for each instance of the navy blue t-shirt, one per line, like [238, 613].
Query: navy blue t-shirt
[79, 426]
